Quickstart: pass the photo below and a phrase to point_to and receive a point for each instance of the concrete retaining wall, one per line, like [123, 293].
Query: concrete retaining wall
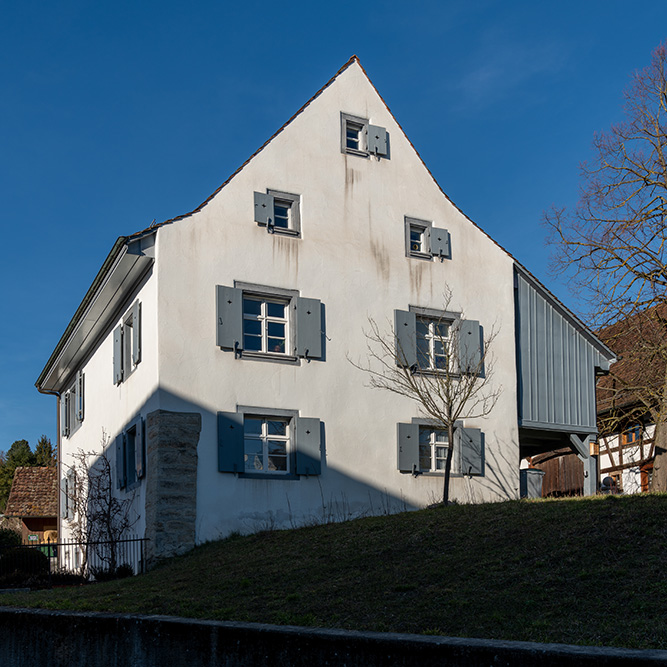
[80, 639]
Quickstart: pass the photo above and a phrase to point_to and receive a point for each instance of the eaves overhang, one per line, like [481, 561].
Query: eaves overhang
[126, 264]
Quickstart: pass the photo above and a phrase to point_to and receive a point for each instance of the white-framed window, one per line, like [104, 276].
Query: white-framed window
[359, 137]
[265, 324]
[278, 211]
[424, 241]
[267, 444]
[127, 344]
[433, 341]
[72, 406]
[433, 446]
[258, 321]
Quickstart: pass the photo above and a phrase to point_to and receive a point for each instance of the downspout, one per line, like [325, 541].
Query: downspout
[59, 436]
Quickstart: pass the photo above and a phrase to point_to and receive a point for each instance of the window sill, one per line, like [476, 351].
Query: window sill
[280, 230]
[354, 151]
[421, 255]
[270, 356]
[268, 475]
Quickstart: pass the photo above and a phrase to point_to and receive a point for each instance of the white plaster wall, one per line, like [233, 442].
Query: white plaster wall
[109, 408]
[352, 257]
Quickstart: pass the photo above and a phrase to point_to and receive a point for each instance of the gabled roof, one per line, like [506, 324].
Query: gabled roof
[63, 359]
[34, 492]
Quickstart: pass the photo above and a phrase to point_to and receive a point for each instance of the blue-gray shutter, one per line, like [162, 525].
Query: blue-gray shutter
[263, 208]
[377, 140]
[136, 333]
[230, 442]
[308, 446]
[71, 494]
[140, 449]
[405, 333]
[439, 242]
[229, 317]
[118, 354]
[408, 447]
[120, 461]
[472, 451]
[308, 328]
[470, 346]
[63, 498]
[79, 396]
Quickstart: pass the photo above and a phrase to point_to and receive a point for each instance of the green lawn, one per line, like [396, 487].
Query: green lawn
[584, 571]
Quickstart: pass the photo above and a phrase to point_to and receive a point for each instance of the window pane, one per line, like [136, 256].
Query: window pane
[424, 436]
[422, 328]
[441, 362]
[276, 345]
[440, 436]
[275, 309]
[276, 329]
[281, 215]
[252, 426]
[276, 427]
[278, 463]
[425, 457]
[252, 343]
[252, 307]
[423, 353]
[252, 327]
[441, 329]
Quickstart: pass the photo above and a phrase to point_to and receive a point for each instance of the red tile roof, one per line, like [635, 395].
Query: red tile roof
[34, 492]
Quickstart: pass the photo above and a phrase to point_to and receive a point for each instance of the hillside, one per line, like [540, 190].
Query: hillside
[584, 571]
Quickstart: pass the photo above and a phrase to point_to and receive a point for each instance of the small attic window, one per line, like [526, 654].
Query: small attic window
[359, 137]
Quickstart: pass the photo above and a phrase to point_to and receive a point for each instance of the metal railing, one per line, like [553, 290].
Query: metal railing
[67, 561]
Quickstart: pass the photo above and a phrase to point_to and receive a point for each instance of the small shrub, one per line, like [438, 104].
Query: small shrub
[109, 574]
[23, 560]
[10, 538]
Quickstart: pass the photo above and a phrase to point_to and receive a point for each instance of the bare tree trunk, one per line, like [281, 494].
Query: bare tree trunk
[659, 482]
[448, 463]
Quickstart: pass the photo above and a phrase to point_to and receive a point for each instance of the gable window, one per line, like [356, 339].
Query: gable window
[71, 406]
[278, 211]
[632, 435]
[130, 455]
[268, 322]
[432, 343]
[424, 241]
[432, 340]
[359, 137]
[127, 344]
[264, 442]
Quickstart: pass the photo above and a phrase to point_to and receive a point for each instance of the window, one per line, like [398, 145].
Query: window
[632, 435]
[268, 443]
[127, 344]
[433, 448]
[279, 212]
[424, 241]
[432, 343]
[268, 322]
[359, 137]
[130, 455]
[432, 340]
[423, 449]
[265, 325]
[71, 406]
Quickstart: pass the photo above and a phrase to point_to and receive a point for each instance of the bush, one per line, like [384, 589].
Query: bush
[109, 574]
[23, 560]
[10, 538]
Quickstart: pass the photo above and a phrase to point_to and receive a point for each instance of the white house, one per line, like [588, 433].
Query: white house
[214, 348]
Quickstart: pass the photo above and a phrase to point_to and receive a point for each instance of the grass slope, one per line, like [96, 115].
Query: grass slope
[584, 571]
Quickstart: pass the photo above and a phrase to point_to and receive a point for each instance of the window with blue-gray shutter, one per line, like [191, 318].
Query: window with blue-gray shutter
[471, 443]
[230, 442]
[469, 347]
[308, 446]
[408, 447]
[424, 241]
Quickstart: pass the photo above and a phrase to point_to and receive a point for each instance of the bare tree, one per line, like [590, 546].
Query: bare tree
[614, 243]
[446, 372]
[97, 515]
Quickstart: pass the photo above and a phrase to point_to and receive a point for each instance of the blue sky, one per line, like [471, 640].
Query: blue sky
[115, 114]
